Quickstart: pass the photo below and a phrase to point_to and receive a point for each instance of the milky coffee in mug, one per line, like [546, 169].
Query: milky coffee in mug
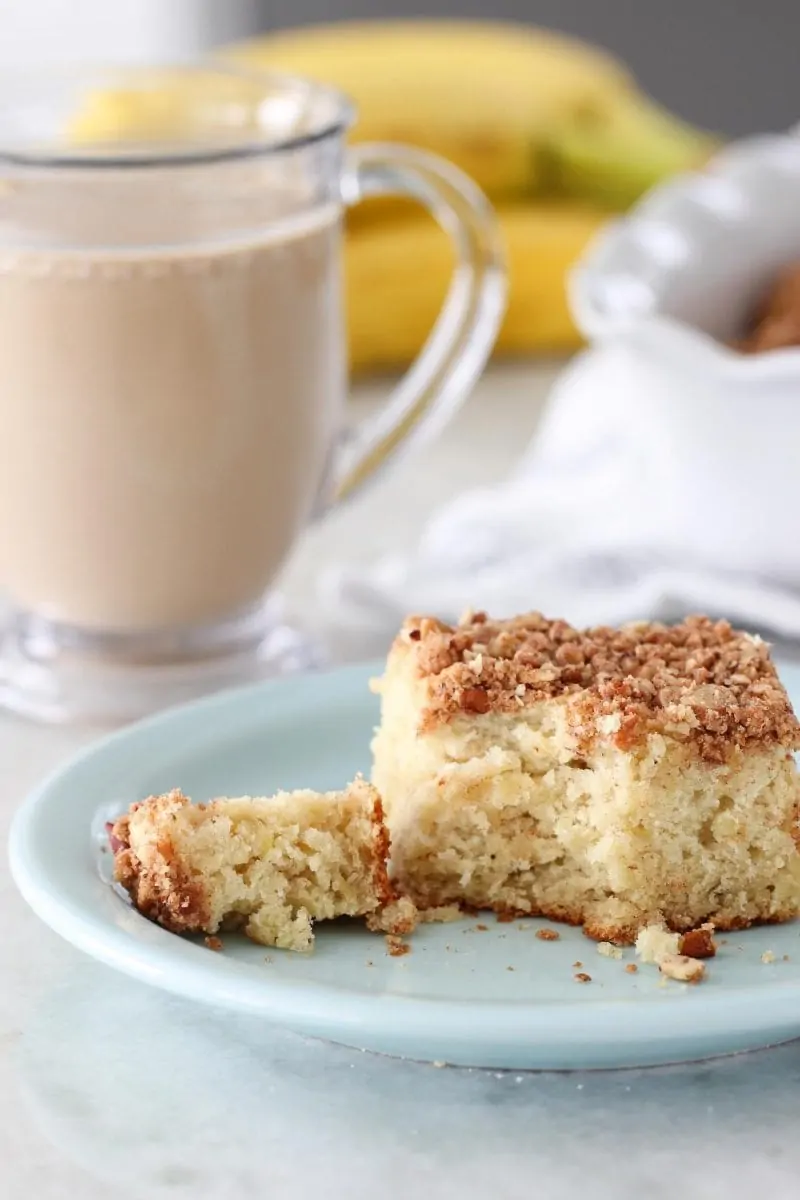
[173, 381]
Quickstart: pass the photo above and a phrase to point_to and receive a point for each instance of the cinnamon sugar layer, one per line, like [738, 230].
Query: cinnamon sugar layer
[699, 680]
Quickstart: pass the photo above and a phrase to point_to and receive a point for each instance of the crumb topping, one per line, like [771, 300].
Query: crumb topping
[698, 943]
[698, 680]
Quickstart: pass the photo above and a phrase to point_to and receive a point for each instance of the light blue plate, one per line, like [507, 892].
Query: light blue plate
[493, 997]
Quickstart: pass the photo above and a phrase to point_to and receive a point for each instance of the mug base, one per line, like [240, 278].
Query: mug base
[56, 673]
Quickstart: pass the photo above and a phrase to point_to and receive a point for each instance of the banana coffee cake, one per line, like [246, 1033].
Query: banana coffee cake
[604, 777]
[269, 865]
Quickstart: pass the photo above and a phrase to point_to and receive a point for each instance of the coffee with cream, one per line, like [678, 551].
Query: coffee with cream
[166, 415]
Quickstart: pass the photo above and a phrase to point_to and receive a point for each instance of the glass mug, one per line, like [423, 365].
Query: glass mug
[173, 374]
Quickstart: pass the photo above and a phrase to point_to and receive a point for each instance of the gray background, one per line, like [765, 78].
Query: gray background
[731, 65]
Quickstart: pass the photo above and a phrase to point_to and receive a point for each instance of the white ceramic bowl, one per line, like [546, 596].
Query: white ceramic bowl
[667, 287]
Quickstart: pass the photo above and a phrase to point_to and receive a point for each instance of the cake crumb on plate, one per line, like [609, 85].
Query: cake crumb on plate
[609, 950]
[178, 863]
[655, 942]
[699, 943]
[682, 968]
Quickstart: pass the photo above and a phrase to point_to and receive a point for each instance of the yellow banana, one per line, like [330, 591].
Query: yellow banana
[397, 274]
[519, 109]
[634, 146]
[523, 111]
[167, 104]
[553, 128]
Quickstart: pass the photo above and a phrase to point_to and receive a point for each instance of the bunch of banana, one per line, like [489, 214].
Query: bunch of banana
[555, 131]
[397, 272]
[524, 111]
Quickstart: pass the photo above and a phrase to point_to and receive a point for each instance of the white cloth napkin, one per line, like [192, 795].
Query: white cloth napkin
[573, 533]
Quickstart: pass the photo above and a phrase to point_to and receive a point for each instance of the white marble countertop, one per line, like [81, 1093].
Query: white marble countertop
[108, 1088]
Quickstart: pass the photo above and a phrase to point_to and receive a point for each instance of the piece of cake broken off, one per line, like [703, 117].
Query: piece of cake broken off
[608, 778]
[270, 866]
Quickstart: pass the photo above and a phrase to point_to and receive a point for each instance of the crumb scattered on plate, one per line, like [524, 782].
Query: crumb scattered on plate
[631, 968]
[768, 957]
[609, 950]
[699, 943]
[656, 942]
[396, 947]
[213, 943]
[548, 935]
[682, 968]
[582, 977]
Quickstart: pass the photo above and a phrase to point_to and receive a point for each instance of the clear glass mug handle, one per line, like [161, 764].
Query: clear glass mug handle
[466, 329]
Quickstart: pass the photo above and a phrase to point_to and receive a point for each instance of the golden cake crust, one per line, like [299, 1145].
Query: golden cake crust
[698, 680]
[162, 890]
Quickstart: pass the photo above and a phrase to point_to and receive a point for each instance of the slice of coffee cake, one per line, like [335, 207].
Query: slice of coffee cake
[270, 865]
[603, 777]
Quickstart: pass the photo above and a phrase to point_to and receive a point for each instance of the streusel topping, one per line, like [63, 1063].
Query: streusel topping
[699, 679]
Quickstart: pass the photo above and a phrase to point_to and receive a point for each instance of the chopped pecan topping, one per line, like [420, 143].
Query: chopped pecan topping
[699, 680]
